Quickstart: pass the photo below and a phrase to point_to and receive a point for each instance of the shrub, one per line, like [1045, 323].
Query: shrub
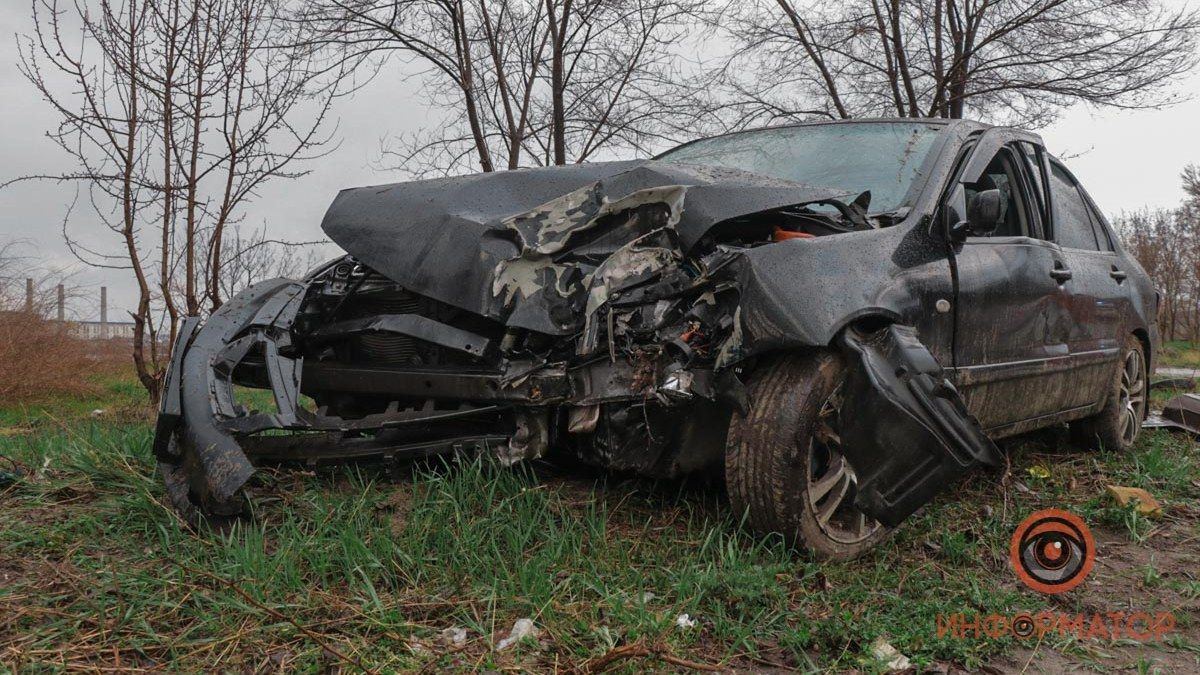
[40, 358]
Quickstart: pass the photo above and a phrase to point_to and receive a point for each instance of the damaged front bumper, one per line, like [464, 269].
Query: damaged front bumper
[906, 432]
[208, 440]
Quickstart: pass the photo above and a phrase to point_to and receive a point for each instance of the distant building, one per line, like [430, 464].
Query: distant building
[102, 330]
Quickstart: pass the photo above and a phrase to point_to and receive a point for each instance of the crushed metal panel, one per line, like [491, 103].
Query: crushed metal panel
[498, 244]
[412, 325]
[905, 429]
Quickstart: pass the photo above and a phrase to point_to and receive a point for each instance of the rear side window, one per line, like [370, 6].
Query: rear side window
[1100, 225]
[1072, 219]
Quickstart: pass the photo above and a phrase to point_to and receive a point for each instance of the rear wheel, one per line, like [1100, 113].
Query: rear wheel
[1116, 427]
[783, 462]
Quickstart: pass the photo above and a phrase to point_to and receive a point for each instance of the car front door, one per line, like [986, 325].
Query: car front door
[1012, 322]
[1097, 288]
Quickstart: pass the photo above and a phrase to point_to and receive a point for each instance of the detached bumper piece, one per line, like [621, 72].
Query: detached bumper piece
[1181, 413]
[207, 443]
[906, 432]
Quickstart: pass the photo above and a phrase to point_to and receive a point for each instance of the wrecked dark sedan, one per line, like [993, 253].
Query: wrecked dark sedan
[842, 317]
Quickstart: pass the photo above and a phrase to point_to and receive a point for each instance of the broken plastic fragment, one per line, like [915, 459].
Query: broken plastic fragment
[685, 621]
[889, 655]
[1146, 503]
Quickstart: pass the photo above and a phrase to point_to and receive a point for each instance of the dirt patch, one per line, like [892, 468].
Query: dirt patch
[396, 507]
[1149, 576]
[1100, 657]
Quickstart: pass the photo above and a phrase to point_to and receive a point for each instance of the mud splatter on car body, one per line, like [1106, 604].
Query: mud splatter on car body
[612, 310]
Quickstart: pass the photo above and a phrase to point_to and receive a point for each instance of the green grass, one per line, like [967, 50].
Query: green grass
[1179, 354]
[120, 396]
[97, 571]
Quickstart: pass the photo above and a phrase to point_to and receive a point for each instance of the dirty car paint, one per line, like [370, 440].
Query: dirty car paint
[613, 310]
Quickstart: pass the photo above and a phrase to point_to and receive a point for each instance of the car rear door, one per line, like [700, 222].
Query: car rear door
[1097, 290]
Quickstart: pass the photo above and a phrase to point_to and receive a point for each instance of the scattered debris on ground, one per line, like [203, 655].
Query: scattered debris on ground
[684, 621]
[882, 651]
[1146, 503]
[522, 629]
[1176, 383]
[455, 635]
[1181, 413]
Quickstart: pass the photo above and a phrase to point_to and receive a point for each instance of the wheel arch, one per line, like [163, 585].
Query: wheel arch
[1143, 336]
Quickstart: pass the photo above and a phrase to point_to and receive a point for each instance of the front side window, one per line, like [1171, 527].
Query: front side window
[1003, 174]
[883, 157]
[1072, 220]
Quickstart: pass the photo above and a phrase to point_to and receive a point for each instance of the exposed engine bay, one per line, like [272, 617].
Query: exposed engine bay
[614, 321]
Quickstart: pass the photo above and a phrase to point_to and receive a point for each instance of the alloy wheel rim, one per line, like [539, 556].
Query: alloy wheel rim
[1133, 395]
[832, 483]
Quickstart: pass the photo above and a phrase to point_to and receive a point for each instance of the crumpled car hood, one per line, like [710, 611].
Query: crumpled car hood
[521, 246]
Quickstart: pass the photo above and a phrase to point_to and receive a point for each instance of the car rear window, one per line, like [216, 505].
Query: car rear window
[1072, 220]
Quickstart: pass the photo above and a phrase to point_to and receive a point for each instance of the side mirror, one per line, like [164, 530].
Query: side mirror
[985, 212]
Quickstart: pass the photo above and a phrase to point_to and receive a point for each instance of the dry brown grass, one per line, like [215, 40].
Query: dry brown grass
[39, 359]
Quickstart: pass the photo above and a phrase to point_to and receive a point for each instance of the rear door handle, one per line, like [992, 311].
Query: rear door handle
[1118, 274]
[1060, 274]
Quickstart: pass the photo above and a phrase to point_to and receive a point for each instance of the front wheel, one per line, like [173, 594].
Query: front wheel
[1117, 425]
[783, 463]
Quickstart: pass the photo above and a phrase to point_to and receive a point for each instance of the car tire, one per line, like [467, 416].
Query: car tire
[782, 466]
[1117, 425]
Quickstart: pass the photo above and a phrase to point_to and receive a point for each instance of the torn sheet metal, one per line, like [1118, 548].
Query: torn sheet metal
[906, 431]
[493, 243]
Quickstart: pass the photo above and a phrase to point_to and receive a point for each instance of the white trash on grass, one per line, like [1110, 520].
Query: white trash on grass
[522, 629]
[889, 655]
[685, 621]
[455, 635]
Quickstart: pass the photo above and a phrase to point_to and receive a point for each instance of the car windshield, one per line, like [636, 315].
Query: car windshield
[882, 157]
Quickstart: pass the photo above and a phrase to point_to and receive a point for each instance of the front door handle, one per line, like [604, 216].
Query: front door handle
[1060, 274]
[1118, 274]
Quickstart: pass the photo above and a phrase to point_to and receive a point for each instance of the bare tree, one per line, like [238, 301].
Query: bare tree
[521, 82]
[175, 113]
[1167, 244]
[1191, 185]
[14, 269]
[29, 284]
[250, 255]
[1019, 62]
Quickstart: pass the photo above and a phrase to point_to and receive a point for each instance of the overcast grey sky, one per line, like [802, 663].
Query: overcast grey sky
[1127, 160]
